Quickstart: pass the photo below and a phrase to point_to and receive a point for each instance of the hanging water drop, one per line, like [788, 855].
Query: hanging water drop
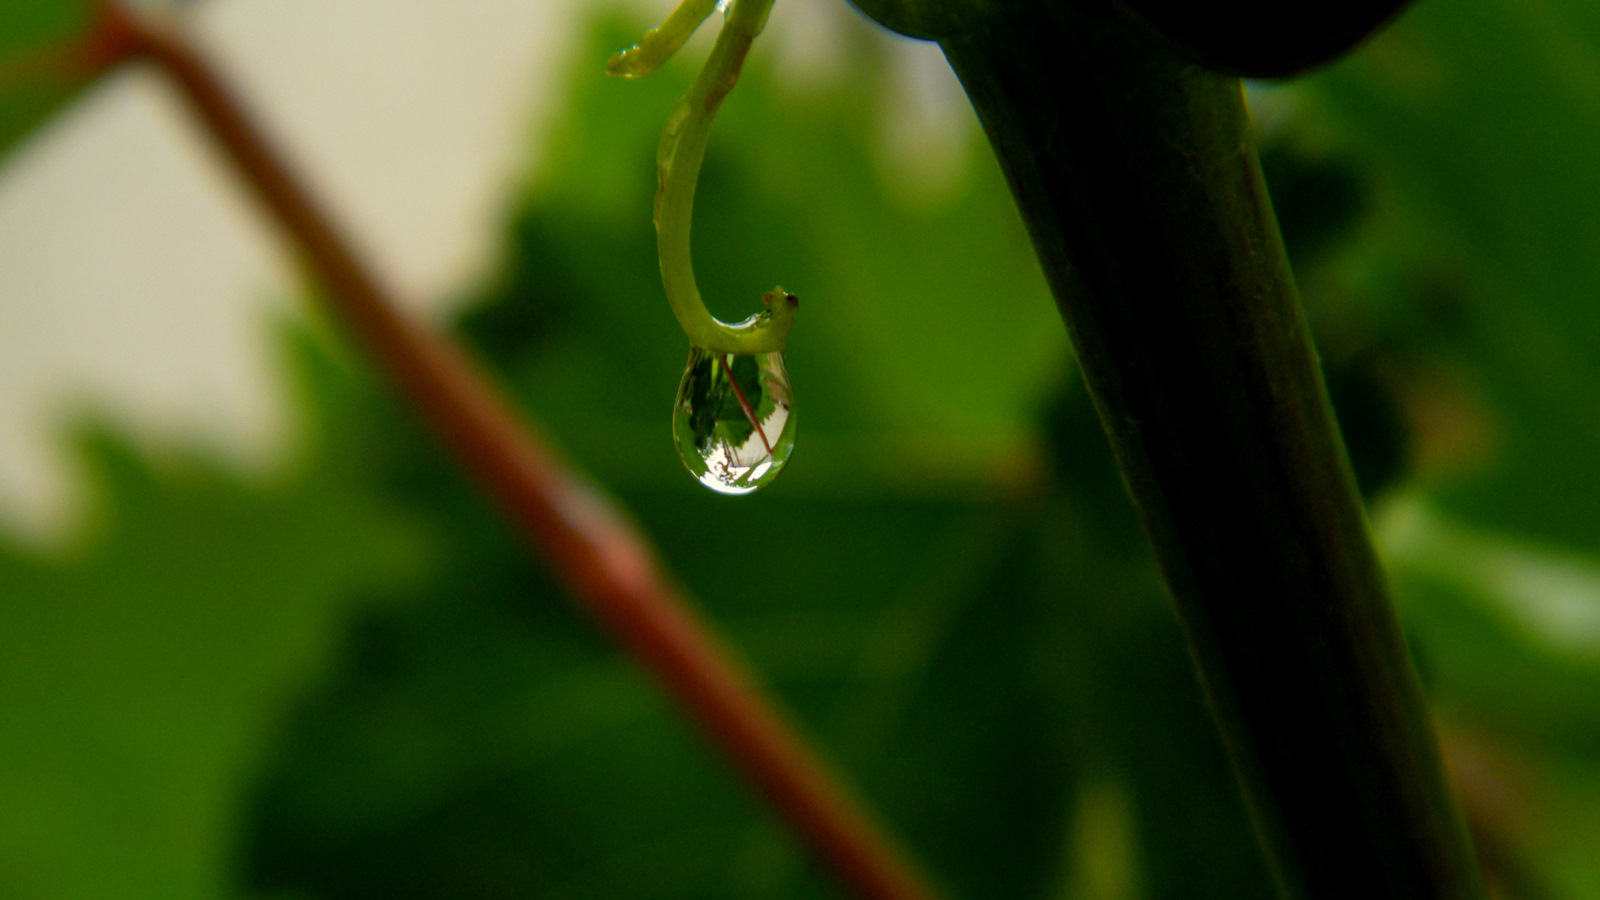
[734, 419]
[722, 6]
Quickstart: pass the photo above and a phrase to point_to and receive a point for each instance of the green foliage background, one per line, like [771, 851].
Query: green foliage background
[353, 682]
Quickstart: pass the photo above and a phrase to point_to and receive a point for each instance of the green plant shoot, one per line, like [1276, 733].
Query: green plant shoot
[682, 150]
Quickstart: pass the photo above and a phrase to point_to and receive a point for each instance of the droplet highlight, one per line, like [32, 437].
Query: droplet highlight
[734, 419]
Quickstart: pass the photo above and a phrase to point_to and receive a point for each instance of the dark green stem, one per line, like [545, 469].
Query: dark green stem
[1136, 175]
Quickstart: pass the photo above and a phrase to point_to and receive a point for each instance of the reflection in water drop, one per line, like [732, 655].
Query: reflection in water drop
[722, 6]
[734, 419]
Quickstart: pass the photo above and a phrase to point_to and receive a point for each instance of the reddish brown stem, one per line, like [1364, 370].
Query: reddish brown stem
[606, 563]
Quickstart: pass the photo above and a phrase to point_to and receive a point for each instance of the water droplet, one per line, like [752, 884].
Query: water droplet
[734, 419]
[722, 6]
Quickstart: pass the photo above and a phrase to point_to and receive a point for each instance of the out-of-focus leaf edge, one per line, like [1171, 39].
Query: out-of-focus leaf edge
[47, 57]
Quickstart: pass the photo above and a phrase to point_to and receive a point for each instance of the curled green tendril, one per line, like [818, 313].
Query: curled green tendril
[658, 44]
[683, 148]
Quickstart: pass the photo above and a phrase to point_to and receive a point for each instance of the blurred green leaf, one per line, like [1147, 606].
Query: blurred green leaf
[144, 671]
[1482, 117]
[43, 62]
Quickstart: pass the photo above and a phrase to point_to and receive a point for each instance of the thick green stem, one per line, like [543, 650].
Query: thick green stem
[1139, 184]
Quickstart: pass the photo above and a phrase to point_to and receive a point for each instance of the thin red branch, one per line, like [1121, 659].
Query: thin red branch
[605, 562]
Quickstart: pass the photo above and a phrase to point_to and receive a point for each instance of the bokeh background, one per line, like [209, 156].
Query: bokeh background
[258, 637]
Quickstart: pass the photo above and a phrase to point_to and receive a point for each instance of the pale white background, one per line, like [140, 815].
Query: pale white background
[137, 280]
